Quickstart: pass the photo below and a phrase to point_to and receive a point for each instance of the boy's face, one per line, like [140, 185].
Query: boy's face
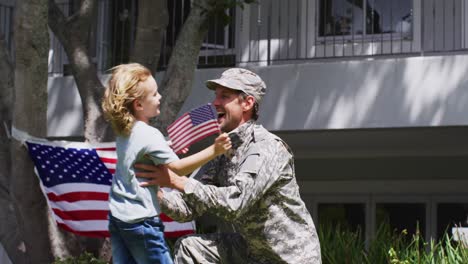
[148, 106]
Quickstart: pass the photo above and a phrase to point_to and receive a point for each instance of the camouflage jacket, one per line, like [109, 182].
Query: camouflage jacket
[253, 187]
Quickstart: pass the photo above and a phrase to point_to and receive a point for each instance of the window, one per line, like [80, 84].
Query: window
[117, 32]
[113, 35]
[178, 12]
[363, 18]
[402, 216]
[349, 216]
[451, 215]
[6, 26]
[433, 216]
[110, 35]
[217, 47]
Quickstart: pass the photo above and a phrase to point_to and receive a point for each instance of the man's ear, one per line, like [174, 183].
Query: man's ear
[248, 103]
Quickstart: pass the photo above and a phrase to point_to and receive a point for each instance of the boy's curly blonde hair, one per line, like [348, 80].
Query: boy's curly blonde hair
[123, 88]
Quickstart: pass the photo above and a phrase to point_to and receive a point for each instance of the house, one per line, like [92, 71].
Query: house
[372, 96]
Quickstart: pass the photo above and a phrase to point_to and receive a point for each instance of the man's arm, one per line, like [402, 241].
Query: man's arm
[173, 205]
[172, 202]
[258, 172]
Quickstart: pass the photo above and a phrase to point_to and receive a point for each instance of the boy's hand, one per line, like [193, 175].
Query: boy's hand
[222, 144]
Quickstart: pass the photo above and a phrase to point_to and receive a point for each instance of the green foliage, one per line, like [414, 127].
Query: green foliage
[340, 245]
[445, 251]
[84, 258]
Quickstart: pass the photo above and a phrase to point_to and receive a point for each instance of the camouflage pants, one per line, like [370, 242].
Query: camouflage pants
[211, 248]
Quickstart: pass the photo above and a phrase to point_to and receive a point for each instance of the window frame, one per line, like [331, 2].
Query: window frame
[370, 202]
[8, 26]
[365, 37]
[217, 49]
[371, 197]
[367, 44]
[311, 46]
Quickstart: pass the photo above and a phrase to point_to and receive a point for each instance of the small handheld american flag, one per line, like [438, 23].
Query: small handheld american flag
[193, 126]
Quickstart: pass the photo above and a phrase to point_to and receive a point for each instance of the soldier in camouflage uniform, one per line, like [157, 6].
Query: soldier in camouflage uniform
[252, 187]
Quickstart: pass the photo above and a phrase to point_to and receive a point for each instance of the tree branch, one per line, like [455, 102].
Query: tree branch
[177, 81]
[86, 9]
[83, 18]
[61, 25]
[57, 21]
[153, 18]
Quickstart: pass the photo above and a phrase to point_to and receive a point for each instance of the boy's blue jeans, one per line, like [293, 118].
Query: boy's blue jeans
[138, 243]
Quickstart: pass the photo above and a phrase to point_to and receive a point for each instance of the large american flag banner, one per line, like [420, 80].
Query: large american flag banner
[192, 126]
[76, 178]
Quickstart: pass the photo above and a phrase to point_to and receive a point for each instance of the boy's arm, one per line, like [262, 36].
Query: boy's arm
[189, 164]
[262, 168]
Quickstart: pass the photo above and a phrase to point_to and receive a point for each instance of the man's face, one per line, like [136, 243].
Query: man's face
[230, 108]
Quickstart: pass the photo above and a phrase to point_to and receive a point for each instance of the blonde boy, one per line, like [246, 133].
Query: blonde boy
[131, 100]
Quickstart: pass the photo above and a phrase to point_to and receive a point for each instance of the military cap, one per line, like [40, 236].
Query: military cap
[242, 80]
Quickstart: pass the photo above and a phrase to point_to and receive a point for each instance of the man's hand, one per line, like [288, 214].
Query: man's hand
[160, 175]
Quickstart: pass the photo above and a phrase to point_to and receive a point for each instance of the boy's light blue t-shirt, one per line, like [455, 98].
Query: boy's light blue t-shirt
[128, 201]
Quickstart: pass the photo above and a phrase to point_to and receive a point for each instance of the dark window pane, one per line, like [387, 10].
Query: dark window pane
[402, 216]
[216, 34]
[122, 30]
[351, 216]
[220, 36]
[450, 215]
[340, 17]
[178, 13]
[389, 16]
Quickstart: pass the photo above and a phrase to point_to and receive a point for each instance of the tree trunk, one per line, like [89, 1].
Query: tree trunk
[73, 34]
[9, 237]
[29, 115]
[152, 22]
[177, 82]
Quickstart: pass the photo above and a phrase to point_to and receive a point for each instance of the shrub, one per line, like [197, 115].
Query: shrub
[339, 245]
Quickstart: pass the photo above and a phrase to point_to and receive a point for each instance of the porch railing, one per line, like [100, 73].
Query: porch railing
[280, 31]
[277, 31]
